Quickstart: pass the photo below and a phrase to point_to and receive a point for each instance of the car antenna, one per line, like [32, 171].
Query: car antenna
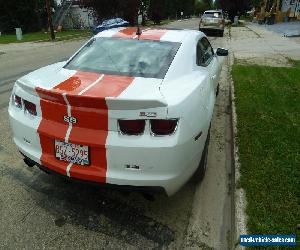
[139, 31]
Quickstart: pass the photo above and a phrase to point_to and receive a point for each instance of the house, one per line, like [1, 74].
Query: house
[293, 6]
[70, 15]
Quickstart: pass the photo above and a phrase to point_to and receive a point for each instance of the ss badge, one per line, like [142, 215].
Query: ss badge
[70, 119]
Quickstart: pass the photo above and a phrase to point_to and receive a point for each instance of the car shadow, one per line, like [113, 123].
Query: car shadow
[101, 210]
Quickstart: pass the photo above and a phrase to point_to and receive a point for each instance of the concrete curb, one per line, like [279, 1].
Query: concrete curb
[239, 193]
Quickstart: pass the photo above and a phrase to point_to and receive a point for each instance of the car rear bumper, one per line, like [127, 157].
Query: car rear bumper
[211, 28]
[153, 162]
[142, 189]
[147, 177]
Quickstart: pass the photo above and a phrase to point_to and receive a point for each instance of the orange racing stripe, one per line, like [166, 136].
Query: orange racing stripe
[77, 83]
[54, 108]
[88, 106]
[147, 34]
[51, 126]
[126, 33]
[91, 111]
[153, 35]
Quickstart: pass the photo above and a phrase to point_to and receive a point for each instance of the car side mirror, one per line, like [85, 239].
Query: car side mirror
[222, 52]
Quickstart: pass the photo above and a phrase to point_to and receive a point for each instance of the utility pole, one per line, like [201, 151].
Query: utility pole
[50, 25]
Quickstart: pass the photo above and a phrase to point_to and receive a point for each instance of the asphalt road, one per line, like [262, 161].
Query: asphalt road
[40, 211]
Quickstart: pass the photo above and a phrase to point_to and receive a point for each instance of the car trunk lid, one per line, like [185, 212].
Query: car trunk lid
[95, 100]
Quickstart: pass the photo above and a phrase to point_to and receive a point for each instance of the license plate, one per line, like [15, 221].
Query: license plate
[72, 153]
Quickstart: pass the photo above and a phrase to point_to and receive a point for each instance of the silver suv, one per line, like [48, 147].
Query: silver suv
[212, 21]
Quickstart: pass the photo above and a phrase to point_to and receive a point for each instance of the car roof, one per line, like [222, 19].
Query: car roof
[170, 35]
[111, 20]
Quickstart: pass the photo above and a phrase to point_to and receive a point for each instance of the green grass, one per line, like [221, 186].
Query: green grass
[268, 111]
[42, 36]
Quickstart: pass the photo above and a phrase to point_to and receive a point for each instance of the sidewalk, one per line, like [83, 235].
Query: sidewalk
[284, 29]
[256, 45]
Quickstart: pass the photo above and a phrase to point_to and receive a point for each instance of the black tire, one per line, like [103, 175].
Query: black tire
[218, 90]
[200, 172]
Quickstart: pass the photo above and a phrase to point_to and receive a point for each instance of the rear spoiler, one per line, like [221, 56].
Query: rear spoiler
[130, 104]
[112, 102]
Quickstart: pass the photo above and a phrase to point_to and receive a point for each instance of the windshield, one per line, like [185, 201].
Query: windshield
[212, 14]
[130, 57]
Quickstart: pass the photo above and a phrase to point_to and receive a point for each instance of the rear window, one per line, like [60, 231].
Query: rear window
[212, 14]
[129, 57]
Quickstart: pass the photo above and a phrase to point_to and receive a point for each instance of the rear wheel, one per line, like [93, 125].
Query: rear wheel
[200, 172]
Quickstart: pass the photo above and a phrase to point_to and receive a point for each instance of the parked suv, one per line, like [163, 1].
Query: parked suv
[212, 21]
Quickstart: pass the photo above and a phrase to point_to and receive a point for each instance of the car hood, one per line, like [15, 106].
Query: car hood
[119, 92]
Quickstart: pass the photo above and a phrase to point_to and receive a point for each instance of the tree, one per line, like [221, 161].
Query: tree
[234, 7]
[187, 7]
[105, 9]
[256, 3]
[30, 15]
[173, 8]
[203, 5]
[143, 10]
[156, 10]
[129, 10]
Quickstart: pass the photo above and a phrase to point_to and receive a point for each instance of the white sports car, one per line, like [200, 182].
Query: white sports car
[129, 110]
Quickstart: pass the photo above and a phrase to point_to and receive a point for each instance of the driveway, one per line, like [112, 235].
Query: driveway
[255, 44]
[40, 211]
[285, 29]
[289, 29]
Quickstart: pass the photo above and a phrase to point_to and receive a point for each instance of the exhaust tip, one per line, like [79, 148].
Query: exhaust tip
[29, 162]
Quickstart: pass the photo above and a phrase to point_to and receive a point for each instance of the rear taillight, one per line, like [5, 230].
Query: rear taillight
[18, 101]
[30, 107]
[163, 127]
[132, 127]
